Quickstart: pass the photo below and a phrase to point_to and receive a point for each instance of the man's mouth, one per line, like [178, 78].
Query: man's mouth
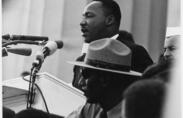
[84, 31]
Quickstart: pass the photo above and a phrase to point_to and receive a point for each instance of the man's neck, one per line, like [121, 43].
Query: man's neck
[114, 37]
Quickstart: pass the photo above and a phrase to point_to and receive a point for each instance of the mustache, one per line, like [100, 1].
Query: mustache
[83, 29]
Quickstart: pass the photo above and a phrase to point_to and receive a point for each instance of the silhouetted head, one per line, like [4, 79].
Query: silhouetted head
[162, 69]
[144, 99]
[8, 113]
[31, 113]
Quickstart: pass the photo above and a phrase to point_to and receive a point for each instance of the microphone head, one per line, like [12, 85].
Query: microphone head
[52, 46]
[20, 51]
[60, 44]
[6, 36]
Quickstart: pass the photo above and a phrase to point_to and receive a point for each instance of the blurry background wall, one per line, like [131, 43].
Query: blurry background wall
[59, 20]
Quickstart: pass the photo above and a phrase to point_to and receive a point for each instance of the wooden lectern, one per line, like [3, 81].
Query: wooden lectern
[61, 98]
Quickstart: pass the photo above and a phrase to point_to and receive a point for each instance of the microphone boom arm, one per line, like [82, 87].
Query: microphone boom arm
[24, 42]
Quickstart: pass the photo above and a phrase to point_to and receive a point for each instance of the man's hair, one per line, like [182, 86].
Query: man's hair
[112, 7]
[144, 99]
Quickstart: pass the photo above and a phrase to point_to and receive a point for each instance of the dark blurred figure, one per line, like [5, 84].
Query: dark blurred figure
[55, 116]
[8, 113]
[31, 113]
[144, 99]
[35, 113]
[162, 68]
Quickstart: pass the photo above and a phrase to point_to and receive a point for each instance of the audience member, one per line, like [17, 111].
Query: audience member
[171, 47]
[107, 73]
[164, 66]
[144, 99]
[101, 19]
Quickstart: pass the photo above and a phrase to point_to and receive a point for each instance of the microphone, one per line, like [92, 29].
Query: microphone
[48, 49]
[51, 47]
[20, 51]
[24, 37]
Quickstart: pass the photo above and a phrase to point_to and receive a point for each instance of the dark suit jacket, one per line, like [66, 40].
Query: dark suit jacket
[140, 60]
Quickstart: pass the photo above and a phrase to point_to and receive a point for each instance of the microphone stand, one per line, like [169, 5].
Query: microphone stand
[34, 70]
[31, 92]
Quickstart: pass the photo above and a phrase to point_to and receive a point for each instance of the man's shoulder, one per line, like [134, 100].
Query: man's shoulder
[133, 46]
[138, 47]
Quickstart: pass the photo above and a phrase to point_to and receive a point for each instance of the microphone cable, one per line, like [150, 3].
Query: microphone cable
[42, 96]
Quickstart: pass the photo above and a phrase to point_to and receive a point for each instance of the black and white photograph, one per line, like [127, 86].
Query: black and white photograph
[91, 58]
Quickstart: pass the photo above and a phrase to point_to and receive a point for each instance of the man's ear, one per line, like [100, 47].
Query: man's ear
[110, 20]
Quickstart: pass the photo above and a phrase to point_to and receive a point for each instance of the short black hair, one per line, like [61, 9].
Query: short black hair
[144, 99]
[113, 8]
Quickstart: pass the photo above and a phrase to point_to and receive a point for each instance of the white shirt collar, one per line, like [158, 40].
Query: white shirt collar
[86, 45]
[115, 36]
[85, 48]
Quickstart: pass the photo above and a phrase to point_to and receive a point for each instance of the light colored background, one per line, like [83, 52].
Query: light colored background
[59, 20]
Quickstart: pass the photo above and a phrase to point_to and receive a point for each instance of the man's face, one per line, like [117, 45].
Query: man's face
[170, 48]
[93, 23]
[94, 86]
